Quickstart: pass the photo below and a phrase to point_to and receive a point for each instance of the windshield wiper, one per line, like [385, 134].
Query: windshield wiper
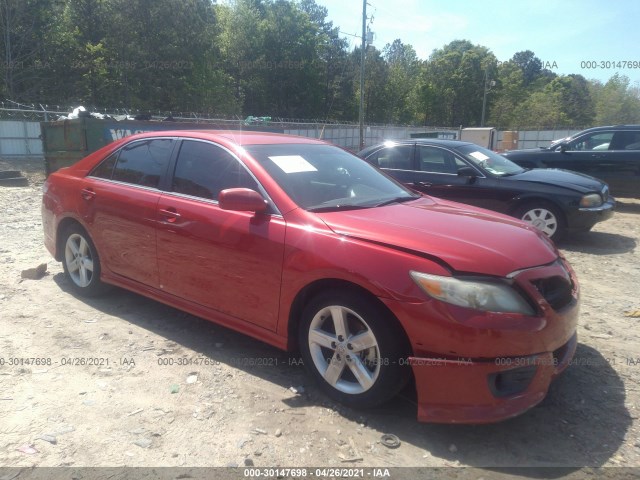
[396, 200]
[510, 174]
[335, 208]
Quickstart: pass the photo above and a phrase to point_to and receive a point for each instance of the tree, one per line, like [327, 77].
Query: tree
[615, 102]
[402, 82]
[25, 43]
[541, 109]
[375, 81]
[575, 99]
[335, 65]
[452, 87]
[529, 64]
[508, 93]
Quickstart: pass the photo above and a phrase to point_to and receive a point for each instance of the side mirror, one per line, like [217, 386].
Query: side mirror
[467, 172]
[242, 200]
[564, 146]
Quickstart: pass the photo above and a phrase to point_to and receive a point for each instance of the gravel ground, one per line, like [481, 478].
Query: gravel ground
[132, 407]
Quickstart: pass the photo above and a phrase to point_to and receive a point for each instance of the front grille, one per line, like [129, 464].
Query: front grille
[555, 290]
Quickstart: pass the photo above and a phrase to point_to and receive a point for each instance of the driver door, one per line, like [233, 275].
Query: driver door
[228, 261]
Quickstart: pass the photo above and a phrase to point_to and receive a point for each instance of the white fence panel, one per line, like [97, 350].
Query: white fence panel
[20, 138]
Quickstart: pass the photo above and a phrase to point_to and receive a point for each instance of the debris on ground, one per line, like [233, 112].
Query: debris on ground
[34, 273]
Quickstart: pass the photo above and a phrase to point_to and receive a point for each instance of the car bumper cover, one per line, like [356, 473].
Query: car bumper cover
[471, 391]
[588, 217]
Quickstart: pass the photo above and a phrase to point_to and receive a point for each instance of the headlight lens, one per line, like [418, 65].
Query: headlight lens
[487, 296]
[591, 200]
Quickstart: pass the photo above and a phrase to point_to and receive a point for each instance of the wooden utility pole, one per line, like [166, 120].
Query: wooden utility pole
[362, 58]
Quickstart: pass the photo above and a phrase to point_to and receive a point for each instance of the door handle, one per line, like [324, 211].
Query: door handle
[170, 214]
[422, 184]
[87, 194]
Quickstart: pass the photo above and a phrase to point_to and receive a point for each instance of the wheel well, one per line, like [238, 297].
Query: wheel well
[62, 227]
[538, 201]
[319, 286]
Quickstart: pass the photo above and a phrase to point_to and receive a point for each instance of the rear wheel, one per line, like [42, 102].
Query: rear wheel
[81, 262]
[354, 350]
[545, 217]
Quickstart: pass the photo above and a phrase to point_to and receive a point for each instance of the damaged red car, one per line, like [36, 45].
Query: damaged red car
[305, 246]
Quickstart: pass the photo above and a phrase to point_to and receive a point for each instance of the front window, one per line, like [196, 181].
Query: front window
[595, 141]
[438, 160]
[325, 177]
[204, 170]
[489, 161]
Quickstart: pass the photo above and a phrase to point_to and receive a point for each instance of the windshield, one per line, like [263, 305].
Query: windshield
[555, 143]
[325, 177]
[489, 161]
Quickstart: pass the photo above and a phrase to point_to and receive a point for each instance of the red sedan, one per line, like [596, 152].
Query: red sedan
[304, 246]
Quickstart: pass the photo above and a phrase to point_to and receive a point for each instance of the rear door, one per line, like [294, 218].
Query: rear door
[120, 198]
[620, 166]
[224, 260]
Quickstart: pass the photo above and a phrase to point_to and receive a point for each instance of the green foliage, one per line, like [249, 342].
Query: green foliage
[279, 58]
[402, 82]
[453, 82]
[616, 103]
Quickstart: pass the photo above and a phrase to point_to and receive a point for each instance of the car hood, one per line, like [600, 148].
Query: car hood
[562, 178]
[466, 238]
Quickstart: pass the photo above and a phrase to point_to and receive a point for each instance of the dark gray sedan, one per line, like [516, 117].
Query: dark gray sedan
[555, 201]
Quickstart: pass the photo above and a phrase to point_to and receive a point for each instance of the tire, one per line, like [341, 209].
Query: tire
[353, 349]
[544, 216]
[81, 262]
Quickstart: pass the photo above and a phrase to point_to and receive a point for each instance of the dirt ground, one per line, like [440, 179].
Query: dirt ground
[134, 408]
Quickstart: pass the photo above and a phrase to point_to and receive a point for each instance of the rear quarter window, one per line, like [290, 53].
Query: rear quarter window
[105, 168]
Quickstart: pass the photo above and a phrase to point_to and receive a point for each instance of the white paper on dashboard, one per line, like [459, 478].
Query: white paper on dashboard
[293, 163]
[479, 156]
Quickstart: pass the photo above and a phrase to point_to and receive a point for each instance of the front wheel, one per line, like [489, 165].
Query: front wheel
[545, 217]
[354, 350]
[81, 262]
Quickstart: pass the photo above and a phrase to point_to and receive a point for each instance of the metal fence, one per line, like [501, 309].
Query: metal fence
[542, 138]
[20, 138]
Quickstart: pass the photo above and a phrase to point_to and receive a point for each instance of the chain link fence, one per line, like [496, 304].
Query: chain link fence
[20, 129]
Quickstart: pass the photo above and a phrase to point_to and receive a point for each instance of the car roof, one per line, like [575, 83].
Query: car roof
[238, 137]
[608, 127]
[420, 141]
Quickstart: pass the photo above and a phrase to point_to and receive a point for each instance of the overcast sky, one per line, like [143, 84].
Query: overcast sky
[564, 35]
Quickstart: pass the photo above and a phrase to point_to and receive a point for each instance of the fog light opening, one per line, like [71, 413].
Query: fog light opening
[511, 382]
